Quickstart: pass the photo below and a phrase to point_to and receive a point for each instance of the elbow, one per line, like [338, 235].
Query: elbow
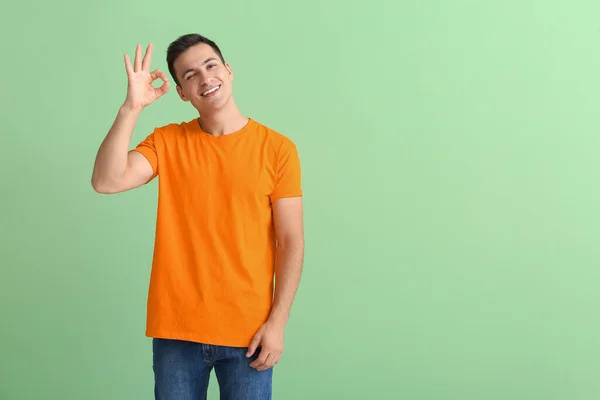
[101, 187]
[98, 188]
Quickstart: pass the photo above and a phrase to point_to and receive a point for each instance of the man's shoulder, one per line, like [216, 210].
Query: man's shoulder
[274, 135]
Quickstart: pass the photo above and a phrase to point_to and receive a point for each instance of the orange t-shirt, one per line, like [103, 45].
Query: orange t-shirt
[213, 265]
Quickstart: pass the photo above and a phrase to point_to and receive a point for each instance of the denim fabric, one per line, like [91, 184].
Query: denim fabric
[182, 370]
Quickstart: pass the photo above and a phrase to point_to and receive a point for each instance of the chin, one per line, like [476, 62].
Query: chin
[204, 108]
[214, 103]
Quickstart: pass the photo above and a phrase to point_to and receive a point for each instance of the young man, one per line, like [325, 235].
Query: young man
[229, 223]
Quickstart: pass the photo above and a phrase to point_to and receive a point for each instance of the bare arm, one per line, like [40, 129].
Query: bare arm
[287, 213]
[116, 168]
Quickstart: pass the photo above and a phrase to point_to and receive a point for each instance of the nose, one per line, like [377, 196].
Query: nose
[204, 79]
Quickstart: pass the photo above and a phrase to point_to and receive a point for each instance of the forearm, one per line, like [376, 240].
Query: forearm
[288, 270]
[111, 159]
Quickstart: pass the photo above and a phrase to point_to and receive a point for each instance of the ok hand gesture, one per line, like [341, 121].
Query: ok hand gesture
[140, 92]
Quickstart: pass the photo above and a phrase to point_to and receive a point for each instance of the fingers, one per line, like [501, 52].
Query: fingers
[269, 362]
[147, 58]
[138, 58]
[128, 66]
[164, 88]
[158, 74]
[266, 359]
[139, 64]
[253, 345]
[261, 359]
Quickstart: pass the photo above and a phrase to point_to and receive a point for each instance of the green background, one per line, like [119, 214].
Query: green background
[451, 169]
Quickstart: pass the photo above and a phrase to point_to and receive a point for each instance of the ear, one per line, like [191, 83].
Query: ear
[181, 94]
[229, 70]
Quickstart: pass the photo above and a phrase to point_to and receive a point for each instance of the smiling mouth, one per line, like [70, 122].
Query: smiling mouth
[211, 91]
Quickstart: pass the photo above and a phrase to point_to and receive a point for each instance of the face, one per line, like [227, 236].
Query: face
[204, 80]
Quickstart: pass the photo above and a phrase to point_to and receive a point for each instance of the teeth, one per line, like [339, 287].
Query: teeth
[211, 90]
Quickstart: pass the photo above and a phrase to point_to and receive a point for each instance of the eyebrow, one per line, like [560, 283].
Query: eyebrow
[203, 63]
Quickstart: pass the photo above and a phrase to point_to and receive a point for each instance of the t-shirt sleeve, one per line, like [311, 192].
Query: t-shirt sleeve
[147, 148]
[288, 181]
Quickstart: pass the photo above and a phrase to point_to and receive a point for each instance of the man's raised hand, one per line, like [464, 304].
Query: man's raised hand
[140, 91]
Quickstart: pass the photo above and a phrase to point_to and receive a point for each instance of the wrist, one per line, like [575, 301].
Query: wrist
[278, 318]
[129, 110]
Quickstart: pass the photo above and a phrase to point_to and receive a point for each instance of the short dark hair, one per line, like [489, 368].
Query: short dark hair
[183, 43]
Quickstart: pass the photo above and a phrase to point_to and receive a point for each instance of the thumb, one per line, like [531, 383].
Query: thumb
[254, 344]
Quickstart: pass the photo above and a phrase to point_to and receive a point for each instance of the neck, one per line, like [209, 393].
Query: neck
[224, 121]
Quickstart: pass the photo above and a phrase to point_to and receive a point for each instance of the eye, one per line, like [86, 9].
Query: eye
[190, 76]
[210, 66]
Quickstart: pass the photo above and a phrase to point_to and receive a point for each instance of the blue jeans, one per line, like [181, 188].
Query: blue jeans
[182, 370]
